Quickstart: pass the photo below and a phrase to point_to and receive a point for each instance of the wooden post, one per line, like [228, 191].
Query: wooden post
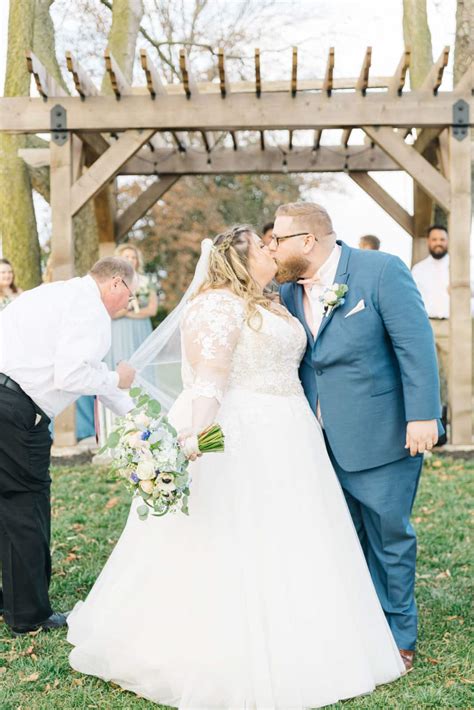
[422, 211]
[460, 350]
[62, 254]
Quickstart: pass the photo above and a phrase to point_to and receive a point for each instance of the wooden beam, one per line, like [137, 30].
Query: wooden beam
[142, 204]
[189, 82]
[426, 137]
[395, 87]
[386, 201]
[224, 84]
[248, 160]
[294, 71]
[251, 159]
[153, 81]
[258, 78]
[102, 114]
[46, 85]
[460, 320]
[106, 167]
[435, 76]
[95, 141]
[329, 76]
[427, 177]
[120, 85]
[465, 84]
[82, 81]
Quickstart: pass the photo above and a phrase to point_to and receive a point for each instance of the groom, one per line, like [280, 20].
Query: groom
[370, 376]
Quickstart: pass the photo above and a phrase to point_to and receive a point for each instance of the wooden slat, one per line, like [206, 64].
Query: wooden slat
[262, 140]
[395, 87]
[290, 140]
[153, 81]
[46, 85]
[120, 85]
[95, 141]
[386, 201]
[435, 76]
[317, 138]
[258, 78]
[189, 82]
[142, 204]
[234, 139]
[82, 81]
[294, 72]
[107, 166]
[224, 84]
[363, 80]
[427, 177]
[329, 76]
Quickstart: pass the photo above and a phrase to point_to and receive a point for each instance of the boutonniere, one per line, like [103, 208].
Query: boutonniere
[333, 297]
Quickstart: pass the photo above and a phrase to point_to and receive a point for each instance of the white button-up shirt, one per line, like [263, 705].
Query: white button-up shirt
[325, 276]
[432, 278]
[52, 342]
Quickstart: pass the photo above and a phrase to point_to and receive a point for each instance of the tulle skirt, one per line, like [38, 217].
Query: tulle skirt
[260, 599]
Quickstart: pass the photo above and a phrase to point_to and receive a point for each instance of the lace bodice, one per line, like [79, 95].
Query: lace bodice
[221, 351]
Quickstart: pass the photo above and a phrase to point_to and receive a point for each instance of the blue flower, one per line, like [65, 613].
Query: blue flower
[145, 435]
[134, 478]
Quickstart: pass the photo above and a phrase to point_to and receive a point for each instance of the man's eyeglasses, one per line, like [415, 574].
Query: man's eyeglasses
[132, 295]
[277, 239]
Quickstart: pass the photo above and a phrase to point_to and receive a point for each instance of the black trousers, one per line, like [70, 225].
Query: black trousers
[25, 510]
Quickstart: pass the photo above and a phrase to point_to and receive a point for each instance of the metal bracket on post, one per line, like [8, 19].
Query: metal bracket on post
[460, 119]
[58, 125]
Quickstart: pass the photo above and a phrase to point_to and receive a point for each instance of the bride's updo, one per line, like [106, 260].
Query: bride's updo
[228, 269]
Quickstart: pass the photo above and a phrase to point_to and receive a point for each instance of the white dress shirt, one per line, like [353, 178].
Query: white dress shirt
[432, 278]
[52, 342]
[325, 277]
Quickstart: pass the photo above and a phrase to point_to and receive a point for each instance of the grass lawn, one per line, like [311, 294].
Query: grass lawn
[88, 514]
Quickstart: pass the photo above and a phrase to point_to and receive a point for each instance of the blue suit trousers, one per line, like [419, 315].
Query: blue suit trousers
[380, 501]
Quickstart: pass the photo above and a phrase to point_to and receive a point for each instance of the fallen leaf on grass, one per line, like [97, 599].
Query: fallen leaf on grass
[71, 557]
[443, 575]
[3, 670]
[77, 681]
[112, 503]
[437, 464]
[467, 680]
[29, 678]
[434, 661]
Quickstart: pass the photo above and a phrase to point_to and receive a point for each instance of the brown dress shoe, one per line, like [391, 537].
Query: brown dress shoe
[407, 658]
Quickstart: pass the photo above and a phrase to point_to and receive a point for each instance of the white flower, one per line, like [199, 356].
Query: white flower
[133, 439]
[146, 470]
[147, 486]
[142, 420]
[331, 298]
[165, 483]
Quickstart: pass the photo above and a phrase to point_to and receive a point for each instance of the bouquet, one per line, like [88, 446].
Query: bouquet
[148, 457]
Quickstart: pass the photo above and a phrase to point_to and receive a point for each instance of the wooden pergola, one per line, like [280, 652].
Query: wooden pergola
[151, 130]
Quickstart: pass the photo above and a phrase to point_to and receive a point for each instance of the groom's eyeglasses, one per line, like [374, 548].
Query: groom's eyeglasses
[277, 239]
[132, 296]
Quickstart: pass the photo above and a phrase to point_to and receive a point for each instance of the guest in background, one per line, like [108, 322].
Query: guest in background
[8, 288]
[432, 278]
[267, 233]
[370, 242]
[130, 327]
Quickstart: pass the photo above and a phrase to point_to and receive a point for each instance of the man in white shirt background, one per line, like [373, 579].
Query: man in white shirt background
[52, 342]
[431, 275]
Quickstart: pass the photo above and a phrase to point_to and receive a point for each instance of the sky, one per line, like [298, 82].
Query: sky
[349, 27]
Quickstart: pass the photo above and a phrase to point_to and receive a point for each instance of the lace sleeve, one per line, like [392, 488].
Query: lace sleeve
[210, 330]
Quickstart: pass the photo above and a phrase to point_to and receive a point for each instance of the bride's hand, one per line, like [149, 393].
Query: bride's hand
[187, 439]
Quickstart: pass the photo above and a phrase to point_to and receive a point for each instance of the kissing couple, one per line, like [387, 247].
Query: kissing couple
[291, 583]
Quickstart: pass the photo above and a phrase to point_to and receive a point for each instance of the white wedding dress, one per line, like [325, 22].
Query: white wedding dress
[260, 599]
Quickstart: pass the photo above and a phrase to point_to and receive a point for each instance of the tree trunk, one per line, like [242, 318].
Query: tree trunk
[17, 216]
[417, 36]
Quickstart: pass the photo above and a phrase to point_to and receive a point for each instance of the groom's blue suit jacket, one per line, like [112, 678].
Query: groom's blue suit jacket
[375, 370]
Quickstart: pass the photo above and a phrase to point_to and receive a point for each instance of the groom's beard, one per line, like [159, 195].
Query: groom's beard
[292, 269]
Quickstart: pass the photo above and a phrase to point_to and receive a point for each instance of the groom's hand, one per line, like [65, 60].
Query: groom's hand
[126, 375]
[421, 436]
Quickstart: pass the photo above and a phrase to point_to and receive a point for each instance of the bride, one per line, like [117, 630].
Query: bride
[260, 599]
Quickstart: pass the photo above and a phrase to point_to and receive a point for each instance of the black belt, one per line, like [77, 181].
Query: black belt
[6, 381]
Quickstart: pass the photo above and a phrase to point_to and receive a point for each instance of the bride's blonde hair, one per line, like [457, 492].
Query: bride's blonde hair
[228, 269]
